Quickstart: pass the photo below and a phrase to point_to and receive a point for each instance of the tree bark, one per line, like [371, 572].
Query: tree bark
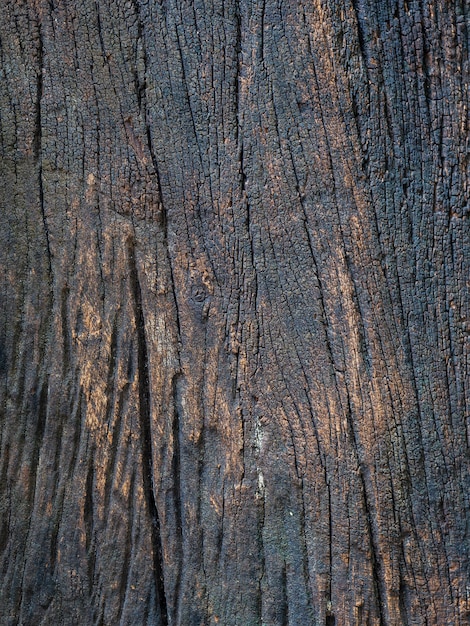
[234, 361]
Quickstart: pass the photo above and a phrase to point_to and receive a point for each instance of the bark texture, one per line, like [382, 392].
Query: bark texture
[234, 266]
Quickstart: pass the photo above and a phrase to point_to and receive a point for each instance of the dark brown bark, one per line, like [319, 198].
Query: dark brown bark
[235, 324]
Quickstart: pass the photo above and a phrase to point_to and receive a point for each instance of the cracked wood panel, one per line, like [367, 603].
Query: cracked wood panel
[235, 259]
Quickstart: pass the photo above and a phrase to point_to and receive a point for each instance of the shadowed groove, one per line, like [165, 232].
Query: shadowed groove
[146, 436]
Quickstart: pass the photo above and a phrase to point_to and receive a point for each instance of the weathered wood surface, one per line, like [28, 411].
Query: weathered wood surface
[234, 275]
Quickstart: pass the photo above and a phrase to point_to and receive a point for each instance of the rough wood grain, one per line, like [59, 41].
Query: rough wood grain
[234, 350]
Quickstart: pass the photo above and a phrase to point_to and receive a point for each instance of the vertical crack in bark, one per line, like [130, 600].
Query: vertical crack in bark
[374, 543]
[58, 516]
[89, 521]
[261, 41]
[42, 405]
[330, 547]
[141, 94]
[361, 35]
[5, 520]
[114, 407]
[176, 472]
[127, 566]
[37, 146]
[378, 581]
[261, 525]
[284, 600]
[140, 82]
[238, 53]
[88, 505]
[146, 437]
[41, 418]
[375, 551]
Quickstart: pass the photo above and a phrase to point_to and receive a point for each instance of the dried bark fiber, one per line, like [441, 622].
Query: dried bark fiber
[234, 273]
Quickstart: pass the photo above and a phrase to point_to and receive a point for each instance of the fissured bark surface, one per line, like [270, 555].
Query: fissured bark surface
[234, 271]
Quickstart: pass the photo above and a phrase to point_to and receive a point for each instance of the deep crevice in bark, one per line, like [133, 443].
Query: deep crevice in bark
[176, 473]
[146, 436]
[37, 147]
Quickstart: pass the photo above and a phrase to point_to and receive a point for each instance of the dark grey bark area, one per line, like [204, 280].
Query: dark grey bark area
[235, 332]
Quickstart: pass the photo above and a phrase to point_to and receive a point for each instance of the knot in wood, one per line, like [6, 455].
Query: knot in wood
[198, 293]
